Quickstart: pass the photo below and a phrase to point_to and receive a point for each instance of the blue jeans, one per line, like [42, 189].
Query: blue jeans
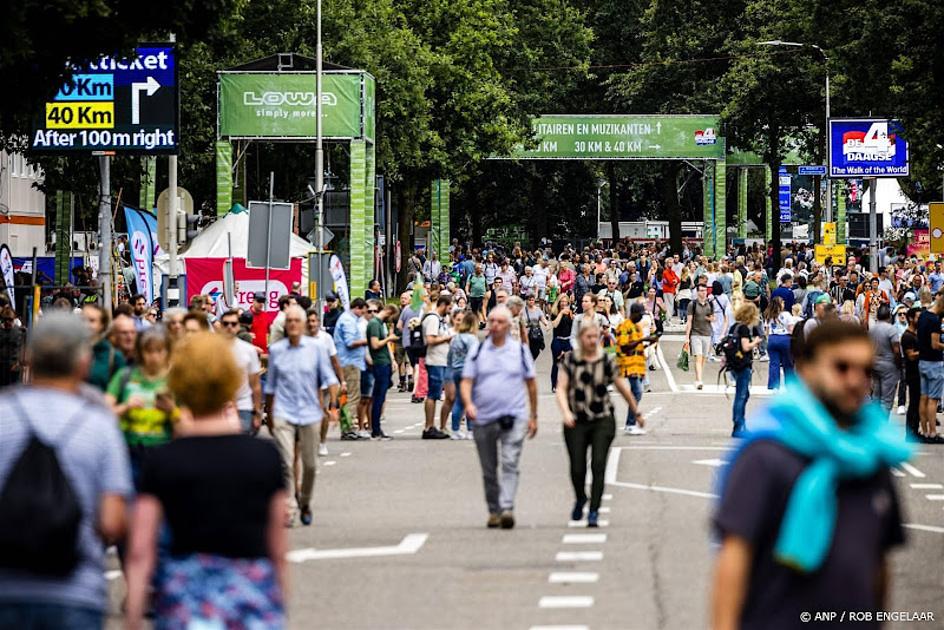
[457, 407]
[637, 384]
[245, 420]
[436, 378]
[381, 376]
[778, 348]
[43, 616]
[558, 346]
[742, 393]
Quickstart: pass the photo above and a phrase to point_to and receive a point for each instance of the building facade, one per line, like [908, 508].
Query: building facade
[22, 206]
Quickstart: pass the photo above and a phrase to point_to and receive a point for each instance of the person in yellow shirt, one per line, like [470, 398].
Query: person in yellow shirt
[631, 358]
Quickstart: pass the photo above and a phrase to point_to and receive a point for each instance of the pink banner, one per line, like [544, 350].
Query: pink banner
[921, 245]
[205, 276]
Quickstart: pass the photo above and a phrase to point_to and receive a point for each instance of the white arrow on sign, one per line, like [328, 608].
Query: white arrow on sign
[717, 463]
[151, 85]
[655, 146]
[410, 544]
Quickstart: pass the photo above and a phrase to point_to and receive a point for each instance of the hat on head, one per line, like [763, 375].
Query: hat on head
[259, 296]
[909, 297]
[823, 299]
[331, 297]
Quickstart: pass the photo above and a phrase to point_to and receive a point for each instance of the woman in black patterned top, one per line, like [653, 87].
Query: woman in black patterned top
[588, 416]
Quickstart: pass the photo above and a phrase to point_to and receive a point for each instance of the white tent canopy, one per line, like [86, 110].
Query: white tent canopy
[230, 230]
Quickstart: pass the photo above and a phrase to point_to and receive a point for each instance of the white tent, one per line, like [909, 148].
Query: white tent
[230, 230]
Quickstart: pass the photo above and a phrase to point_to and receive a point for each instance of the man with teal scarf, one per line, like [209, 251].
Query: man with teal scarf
[808, 508]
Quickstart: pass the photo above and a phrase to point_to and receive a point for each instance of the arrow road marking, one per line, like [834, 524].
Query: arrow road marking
[151, 85]
[410, 544]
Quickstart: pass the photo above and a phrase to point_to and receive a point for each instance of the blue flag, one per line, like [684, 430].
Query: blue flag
[141, 229]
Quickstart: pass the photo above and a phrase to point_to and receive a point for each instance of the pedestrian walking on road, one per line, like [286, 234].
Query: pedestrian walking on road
[52, 553]
[500, 394]
[698, 330]
[910, 354]
[588, 415]
[741, 367]
[779, 324]
[463, 343]
[631, 361]
[379, 336]
[299, 368]
[887, 369]
[436, 337]
[808, 511]
[352, 346]
[563, 321]
[227, 566]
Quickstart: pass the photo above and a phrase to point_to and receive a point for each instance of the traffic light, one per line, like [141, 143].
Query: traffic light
[187, 227]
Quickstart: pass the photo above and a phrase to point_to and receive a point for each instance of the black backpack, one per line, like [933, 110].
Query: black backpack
[417, 338]
[730, 348]
[40, 513]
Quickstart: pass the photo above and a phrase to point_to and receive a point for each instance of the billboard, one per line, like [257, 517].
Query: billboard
[624, 137]
[867, 147]
[784, 195]
[205, 277]
[127, 105]
[281, 105]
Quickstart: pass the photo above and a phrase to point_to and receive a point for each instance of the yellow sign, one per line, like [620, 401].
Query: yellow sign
[80, 115]
[936, 222]
[836, 252]
[829, 234]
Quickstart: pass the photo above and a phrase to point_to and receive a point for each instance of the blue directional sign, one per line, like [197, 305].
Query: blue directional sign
[812, 170]
[785, 196]
[115, 104]
[867, 147]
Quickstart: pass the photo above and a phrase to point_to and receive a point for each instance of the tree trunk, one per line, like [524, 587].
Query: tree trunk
[670, 202]
[404, 229]
[614, 202]
[773, 161]
[474, 210]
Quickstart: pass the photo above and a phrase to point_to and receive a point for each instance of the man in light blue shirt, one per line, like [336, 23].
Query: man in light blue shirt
[936, 278]
[299, 368]
[351, 342]
[495, 380]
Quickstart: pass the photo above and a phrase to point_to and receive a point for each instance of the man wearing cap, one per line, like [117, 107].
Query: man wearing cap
[261, 321]
[332, 313]
[819, 311]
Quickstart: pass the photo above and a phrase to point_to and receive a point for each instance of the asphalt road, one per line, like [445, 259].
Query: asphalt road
[399, 538]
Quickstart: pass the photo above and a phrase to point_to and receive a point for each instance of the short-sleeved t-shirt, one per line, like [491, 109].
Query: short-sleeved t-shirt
[376, 329]
[247, 358]
[433, 326]
[909, 341]
[477, 286]
[94, 459]
[631, 360]
[146, 425]
[883, 336]
[868, 523]
[928, 323]
[499, 374]
[405, 316]
[587, 386]
[215, 491]
[699, 313]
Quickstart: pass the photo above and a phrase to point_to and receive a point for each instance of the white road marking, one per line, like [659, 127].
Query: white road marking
[560, 628]
[607, 497]
[897, 472]
[612, 466]
[927, 486]
[716, 463]
[604, 510]
[652, 412]
[410, 544]
[579, 556]
[665, 368]
[583, 539]
[566, 601]
[601, 523]
[399, 431]
[640, 486]
[330, 463]
[715, 389]
[112, 575]
[925, 528]
[655, 447]
[934, 497]
[564, 577]
[911, 469]
[346, 454]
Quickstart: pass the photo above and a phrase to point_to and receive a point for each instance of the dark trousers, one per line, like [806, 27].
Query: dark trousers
[913, 416]
[43, 616]
[558, 347]
[382, 375]
[597, 436]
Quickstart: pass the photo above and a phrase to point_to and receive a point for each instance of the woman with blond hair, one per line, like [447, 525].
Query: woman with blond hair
[222, 494]
[847, 312]
[746, 318]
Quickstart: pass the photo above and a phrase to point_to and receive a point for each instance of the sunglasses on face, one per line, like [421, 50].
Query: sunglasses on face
[371, 310]
[231, 324]
[844, 367]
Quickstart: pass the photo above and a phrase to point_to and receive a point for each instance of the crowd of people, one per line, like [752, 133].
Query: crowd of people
[152, 405]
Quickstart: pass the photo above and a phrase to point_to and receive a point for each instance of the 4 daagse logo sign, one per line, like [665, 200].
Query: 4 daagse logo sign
[867, 148]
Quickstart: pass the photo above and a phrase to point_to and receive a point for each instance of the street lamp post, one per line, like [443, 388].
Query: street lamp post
[829, 181]
[319, 167]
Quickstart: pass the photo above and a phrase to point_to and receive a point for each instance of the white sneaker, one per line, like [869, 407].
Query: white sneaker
[469, 436]
[901, 410]
[609, 388]
[323, 450]
[457, 435]
[364, 435]
[635, 430]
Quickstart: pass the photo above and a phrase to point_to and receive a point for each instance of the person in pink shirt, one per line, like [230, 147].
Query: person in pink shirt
[670, 282]
[566, 276]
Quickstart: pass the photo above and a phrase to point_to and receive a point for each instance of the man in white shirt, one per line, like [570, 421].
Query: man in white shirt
[327, 342]
[249, 395]
[437, 336]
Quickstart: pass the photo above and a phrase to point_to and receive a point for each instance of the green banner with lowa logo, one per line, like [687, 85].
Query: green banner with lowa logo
[282, 105]
[624, 137]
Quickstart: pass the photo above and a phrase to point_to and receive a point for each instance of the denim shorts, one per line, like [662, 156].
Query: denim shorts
[436, 376]
[932, 378]
[367, 383]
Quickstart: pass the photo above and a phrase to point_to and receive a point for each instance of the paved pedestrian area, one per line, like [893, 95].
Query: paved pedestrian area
[399, 537]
